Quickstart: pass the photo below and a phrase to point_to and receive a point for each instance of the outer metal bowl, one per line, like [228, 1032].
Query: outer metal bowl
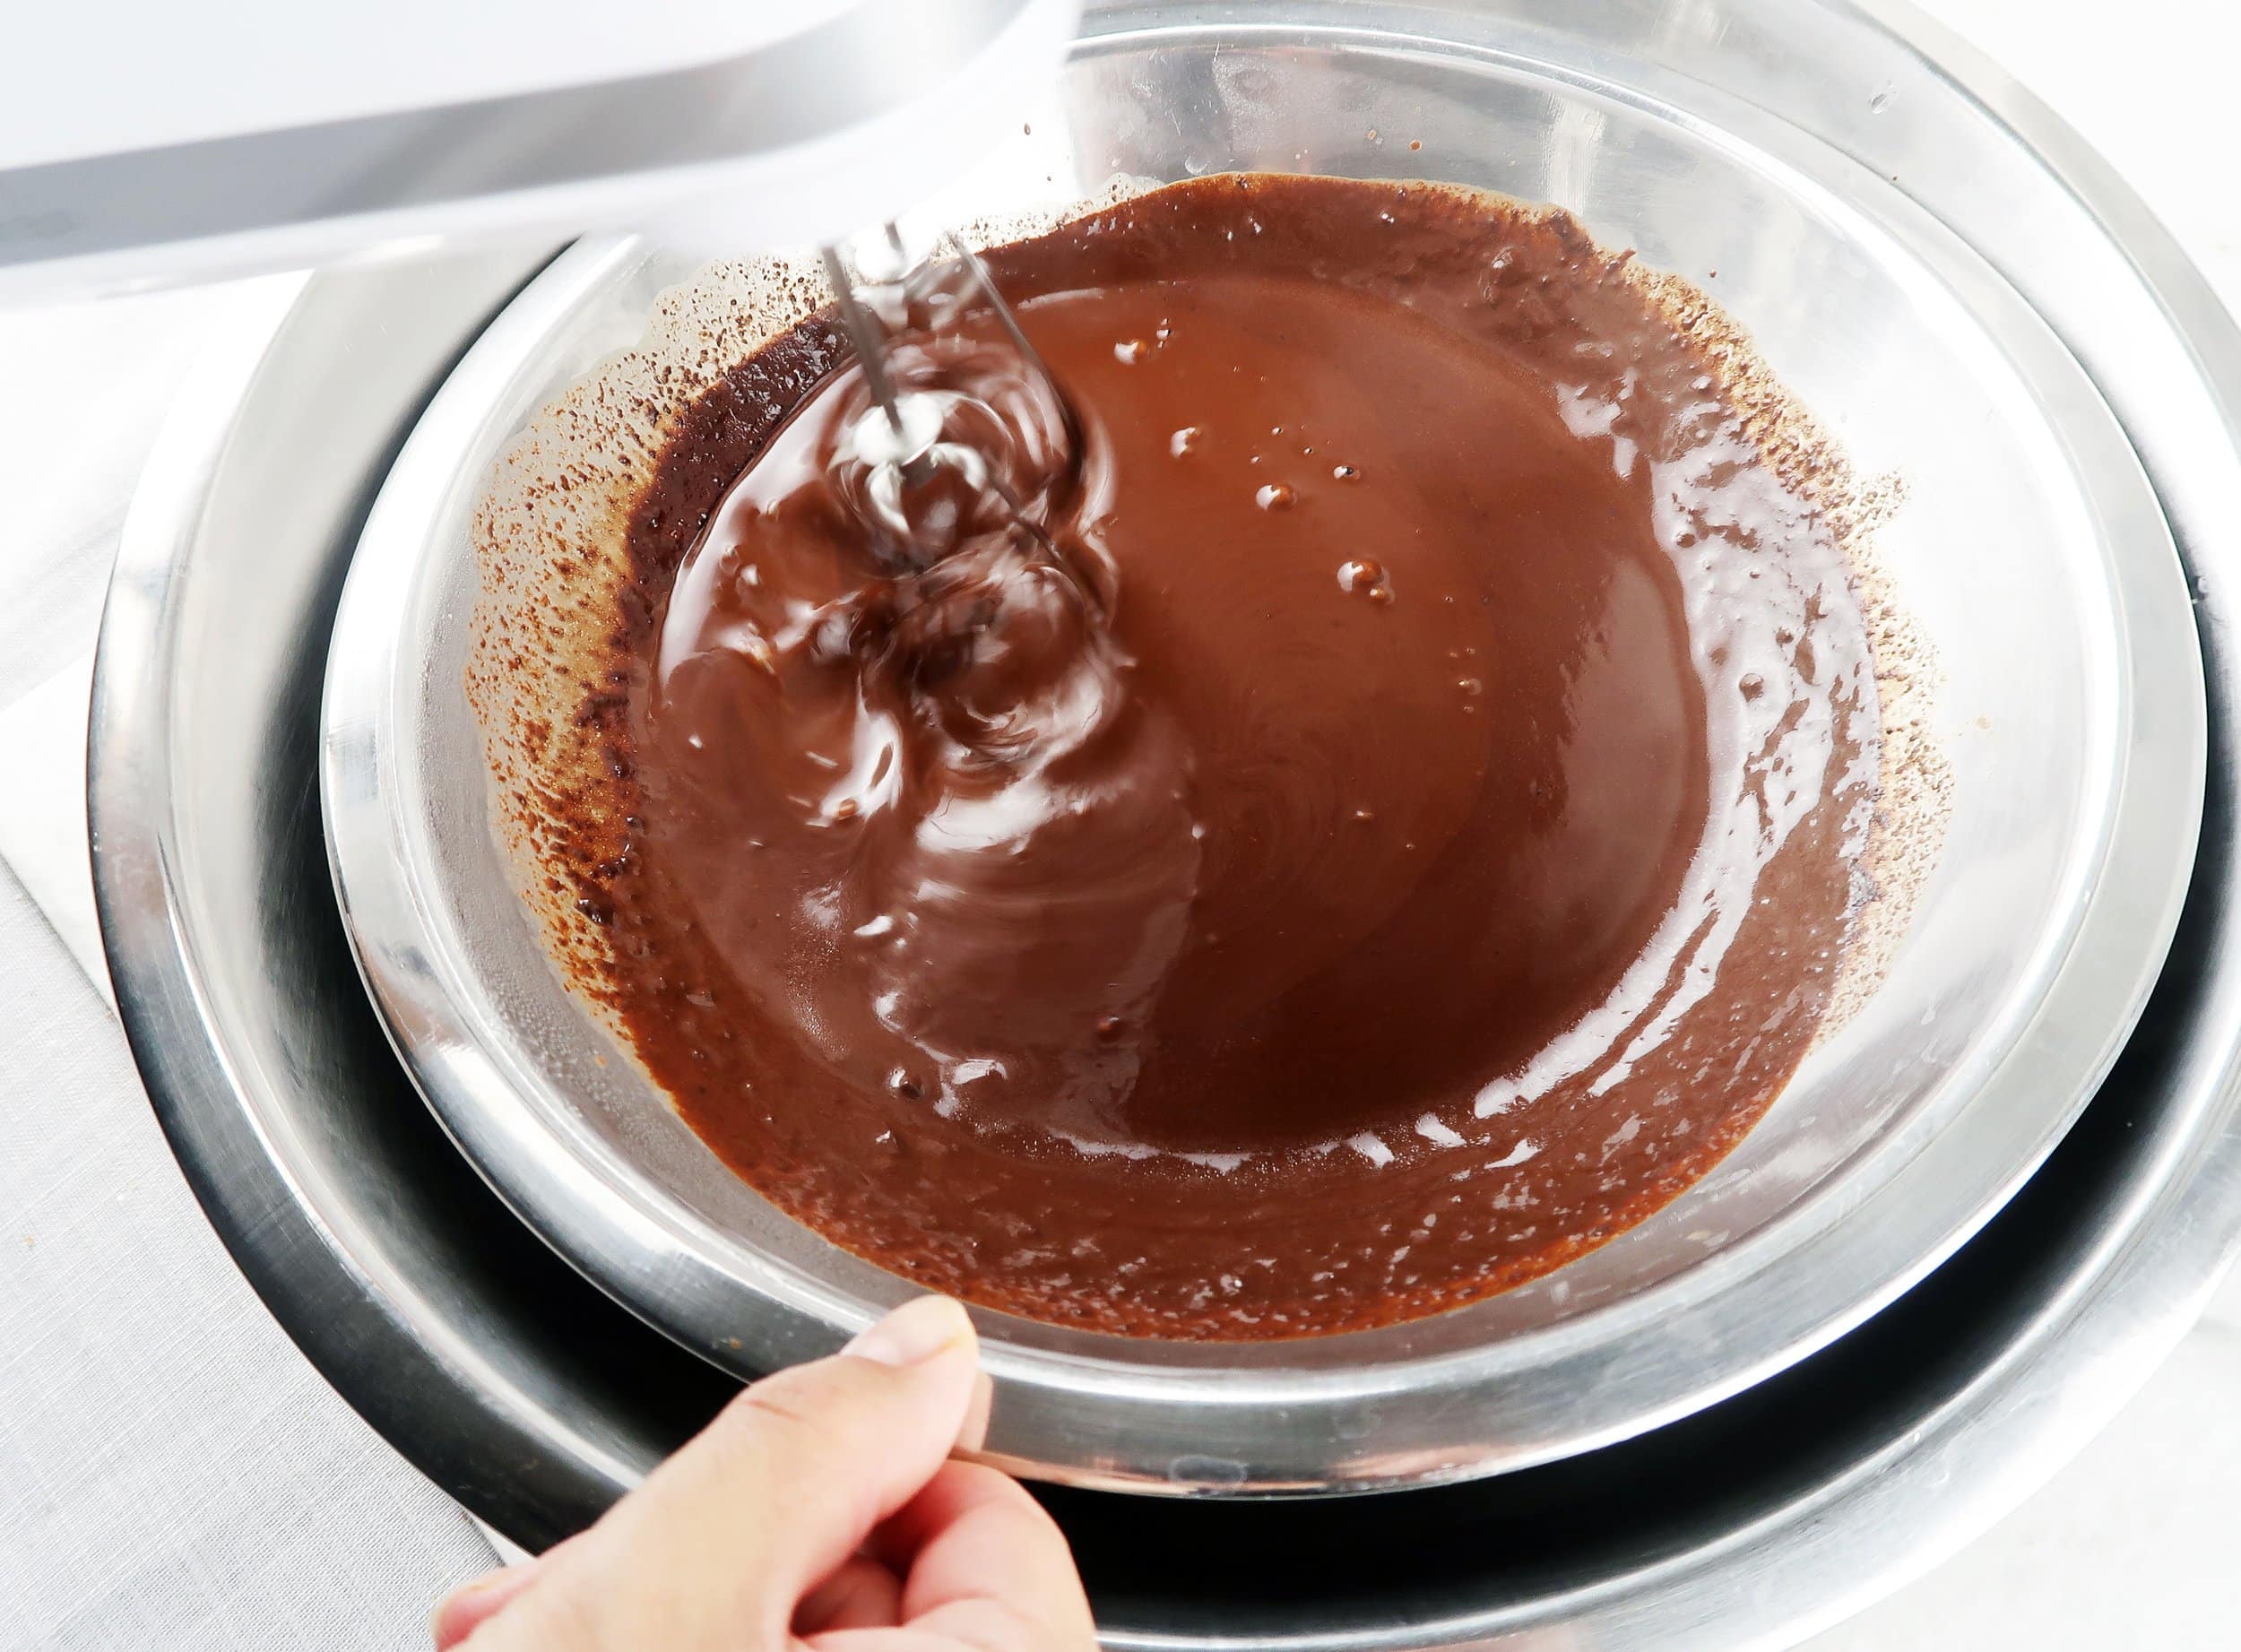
[532, 1398]
[1742, 140]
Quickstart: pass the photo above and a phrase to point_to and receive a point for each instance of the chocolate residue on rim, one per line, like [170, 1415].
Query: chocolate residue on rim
[1499, 765]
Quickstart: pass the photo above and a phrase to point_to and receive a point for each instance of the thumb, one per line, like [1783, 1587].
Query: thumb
[838, 1446]
[773, 1496]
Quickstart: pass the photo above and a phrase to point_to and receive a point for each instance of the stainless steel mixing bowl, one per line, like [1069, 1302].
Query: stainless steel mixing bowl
[520, 1389]
[2031, 551]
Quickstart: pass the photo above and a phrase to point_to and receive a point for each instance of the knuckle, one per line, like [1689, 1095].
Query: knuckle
[809, 1409]
[1014, 1498]
[782, 1408]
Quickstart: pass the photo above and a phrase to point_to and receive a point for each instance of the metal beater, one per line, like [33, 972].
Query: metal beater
[893, 296]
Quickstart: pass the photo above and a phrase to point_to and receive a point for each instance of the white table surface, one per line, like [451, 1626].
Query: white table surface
[280, 1521]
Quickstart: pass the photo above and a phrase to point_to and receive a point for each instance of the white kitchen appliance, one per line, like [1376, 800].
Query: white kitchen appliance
[152, 144]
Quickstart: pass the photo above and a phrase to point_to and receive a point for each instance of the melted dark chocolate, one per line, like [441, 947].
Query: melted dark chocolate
[1386, 830]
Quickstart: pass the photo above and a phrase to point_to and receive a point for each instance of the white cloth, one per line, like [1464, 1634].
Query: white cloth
[174, 1475]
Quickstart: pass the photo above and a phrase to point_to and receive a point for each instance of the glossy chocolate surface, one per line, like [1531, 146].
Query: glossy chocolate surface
[1385, 824]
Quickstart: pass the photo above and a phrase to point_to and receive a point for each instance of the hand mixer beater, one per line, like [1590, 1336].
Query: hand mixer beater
[965, 430]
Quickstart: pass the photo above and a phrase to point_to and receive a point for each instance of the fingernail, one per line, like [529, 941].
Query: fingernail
[913, 1333]
[463, 1610]
[972, 1433]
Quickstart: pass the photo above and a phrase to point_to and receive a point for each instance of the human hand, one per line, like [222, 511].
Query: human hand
[819, 1513]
